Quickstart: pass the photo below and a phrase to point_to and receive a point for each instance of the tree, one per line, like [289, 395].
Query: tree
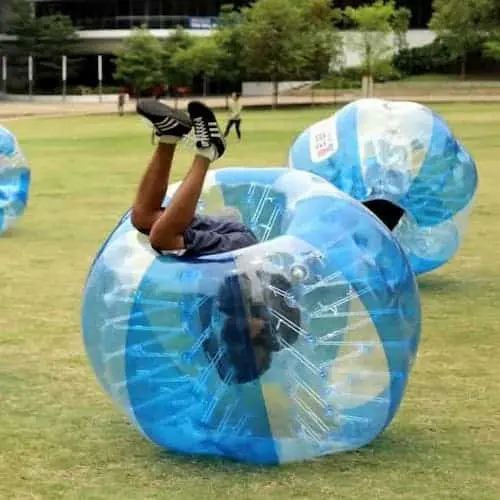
[199, 58]
[400, 26]
[273, 45]
[374, 23]
[176, 72]
[462, 25]
[46, 38]
[5, 7]
[492, 48]
[139, 61]
[230, 42]
[322, 45]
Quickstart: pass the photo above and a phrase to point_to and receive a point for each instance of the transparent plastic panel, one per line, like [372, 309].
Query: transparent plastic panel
[14, 180]
[169, 338]
[401, 152]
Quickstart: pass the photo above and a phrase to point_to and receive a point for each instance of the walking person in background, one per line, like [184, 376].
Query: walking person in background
[235, 109]
[121, 102]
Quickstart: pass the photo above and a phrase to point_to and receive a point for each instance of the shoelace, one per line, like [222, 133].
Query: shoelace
[201, 131]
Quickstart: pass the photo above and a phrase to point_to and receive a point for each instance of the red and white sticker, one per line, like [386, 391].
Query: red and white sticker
[323, 137]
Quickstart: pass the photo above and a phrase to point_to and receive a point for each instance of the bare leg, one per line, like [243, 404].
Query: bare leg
[152, 189]
[167, 232]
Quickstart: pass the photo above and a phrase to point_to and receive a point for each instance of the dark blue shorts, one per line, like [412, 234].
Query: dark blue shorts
[210, 235]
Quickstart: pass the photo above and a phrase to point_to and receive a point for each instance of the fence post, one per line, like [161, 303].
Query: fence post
[64, 76]
[30, 76]
[4, 73]
[99, 75]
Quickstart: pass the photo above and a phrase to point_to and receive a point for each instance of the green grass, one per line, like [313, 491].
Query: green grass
[60, 437]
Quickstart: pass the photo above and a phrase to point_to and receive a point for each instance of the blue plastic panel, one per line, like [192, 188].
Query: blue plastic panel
[404, 153]
[146, 319]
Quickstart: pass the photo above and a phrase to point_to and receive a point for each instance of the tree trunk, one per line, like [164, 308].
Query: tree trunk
[275, 92]
[205, 85]
[463, 68]
[312, 94]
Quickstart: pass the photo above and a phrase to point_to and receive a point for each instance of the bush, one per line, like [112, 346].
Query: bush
[387, 72]
[350, 78]
[338, 81]
[431, 58]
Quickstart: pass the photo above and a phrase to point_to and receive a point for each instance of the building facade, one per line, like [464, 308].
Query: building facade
[127, 14]
[103, 24]
[167, 14]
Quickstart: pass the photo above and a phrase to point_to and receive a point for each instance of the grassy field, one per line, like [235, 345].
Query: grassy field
[60, 437]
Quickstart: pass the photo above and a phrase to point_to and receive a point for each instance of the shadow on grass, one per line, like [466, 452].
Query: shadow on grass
[19, 231]
[441, 284]
[10, 233]
[391, 448]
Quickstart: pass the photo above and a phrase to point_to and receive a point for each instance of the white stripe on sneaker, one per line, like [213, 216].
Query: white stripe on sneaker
[167, 125]
[167, 120]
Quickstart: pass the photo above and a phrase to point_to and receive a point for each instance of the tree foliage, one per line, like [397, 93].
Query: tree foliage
[462, 25]
[175, 71]
[230, 42]
[139, 63]
[400, 26]
[272, 40]
[45, 36]
[492, 48]
[374, 24]
[199, 58]
[322, 45]
[285, 39]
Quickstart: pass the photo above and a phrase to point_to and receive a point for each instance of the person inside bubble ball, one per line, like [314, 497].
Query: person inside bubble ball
[253, 328]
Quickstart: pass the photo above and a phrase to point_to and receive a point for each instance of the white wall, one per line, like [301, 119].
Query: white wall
[266, 88]
[416, 38]
[109, 41]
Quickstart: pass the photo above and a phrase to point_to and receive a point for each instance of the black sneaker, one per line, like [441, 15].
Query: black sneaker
[166, 121]
[207, 131]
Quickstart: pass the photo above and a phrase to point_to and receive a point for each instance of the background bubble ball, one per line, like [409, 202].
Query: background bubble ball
[14, 180]
[404, 159]
[155, 331]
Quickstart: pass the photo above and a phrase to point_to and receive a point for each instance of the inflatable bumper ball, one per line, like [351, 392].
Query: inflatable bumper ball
[14, 180]
[404, 163]
[298, 347]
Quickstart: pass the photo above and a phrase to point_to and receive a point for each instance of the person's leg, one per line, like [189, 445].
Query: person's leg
[167, 231]
[228, 128]
[147, 207]
[168, 228]
[170, 126]
[238, 129]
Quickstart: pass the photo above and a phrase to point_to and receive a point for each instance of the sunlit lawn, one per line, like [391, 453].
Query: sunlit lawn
[60, 437]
